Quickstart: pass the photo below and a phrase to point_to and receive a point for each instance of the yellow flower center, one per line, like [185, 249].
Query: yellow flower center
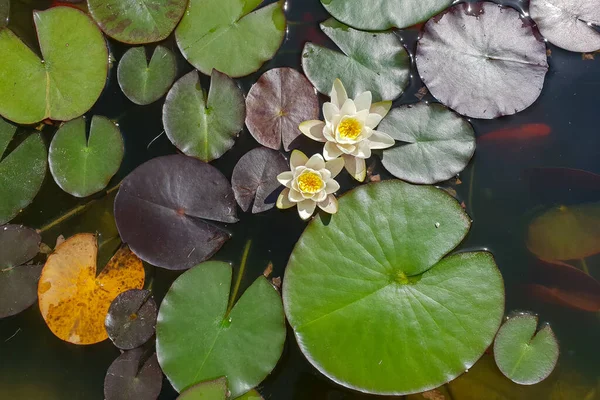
[310, 182]
[350, 128]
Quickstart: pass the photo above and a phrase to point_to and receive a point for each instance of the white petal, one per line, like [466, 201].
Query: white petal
[335, 166]
[285, 178]
[373, 120]
[325, 173]
[331, 151]
[382, 108]
[362, 115]
[349, 108]
[322, 195]
[329, 111]
[338, 93]
[356, 167]
[328, 132]
[363, 150]
[306, 208]
[329, 205]
[380, 140]
[297, 159]
[316, 162]
[363, 101]
[283, 201]
[295, 196]
[313, 129]
[332, 186]
[347, 148]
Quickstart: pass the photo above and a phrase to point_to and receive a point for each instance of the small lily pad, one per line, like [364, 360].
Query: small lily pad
[203, 126]
[484, 63]
[209, 390]
[142, 82]
[131, 319]
[83, 166]
[197, 338]
[165, 208]
[375, 62]
[18, 281]
[438, 143]
[254, 179]
[277, 104]
[133, 376]
[524, 356]
[231, 36]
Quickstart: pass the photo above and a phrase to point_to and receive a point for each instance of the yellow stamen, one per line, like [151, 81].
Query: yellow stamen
[310, 182]
[350, 128]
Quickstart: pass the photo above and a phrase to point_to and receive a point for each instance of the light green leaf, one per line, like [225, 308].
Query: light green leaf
[209, 390]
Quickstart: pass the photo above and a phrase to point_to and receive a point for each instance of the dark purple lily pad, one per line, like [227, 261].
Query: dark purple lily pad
[18, 282]
[276, 104]
[133, 376]
[131, 319]
[163, 210]
[254, 179]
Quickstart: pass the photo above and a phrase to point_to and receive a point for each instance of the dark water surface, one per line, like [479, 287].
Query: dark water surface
[34, 364]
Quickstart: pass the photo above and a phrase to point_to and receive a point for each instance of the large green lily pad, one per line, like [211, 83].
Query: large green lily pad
[198, 339]
[374, 304]
[375, 62]
[231, 36]
[214, 390]
[83, 166]
[69, 79]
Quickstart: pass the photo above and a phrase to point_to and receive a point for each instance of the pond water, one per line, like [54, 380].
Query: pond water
[37, 365]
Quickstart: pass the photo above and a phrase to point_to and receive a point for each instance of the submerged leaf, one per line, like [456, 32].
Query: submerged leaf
[563, 185]
[133, 376]
[4, 12]
[131, 319]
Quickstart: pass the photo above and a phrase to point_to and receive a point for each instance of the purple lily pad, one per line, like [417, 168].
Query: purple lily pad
[132, 376]
[131, 319]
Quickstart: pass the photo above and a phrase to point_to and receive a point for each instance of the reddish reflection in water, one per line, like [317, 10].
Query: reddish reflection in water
[523, 132]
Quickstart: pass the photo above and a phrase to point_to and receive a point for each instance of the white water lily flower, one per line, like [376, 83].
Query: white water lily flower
[349, 129]
[310, 184]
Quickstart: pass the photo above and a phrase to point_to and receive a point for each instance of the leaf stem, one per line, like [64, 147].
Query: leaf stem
[240, 276]
[584, 266]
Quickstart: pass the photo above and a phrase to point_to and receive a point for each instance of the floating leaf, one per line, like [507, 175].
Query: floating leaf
[524, 356]
[198, 339]
[566, 233]
[73, 298]
[251, 395]
[162, 210]
[230, 35]
[21, 172]
[482, 64]
[200, 126]
[132, 376]
[277, 104]
[438, 143]
[70, 78]
[209, 390]
[131, 319]
[384, 14]
[567, 23]
[18, 282]
[254, 179]
[82, 165]
[375, 62]
[373, 303]
[142, 82]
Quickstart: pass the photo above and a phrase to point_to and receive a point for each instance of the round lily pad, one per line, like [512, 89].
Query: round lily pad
[198, 338]
[203, 126]
[22, 171]
[137, 21]
[133, 376]
[384, 14]
[482, 64]
[131, 319]
[69, 79]
[231, 36]
[142, 82]
[209, 390]
[375, 305]
[524, 356]
[277, 104]
[566, 23]
[166, 207]
[18, 282]
[82, 165]
[437, 143]
[254, 179]
[375, 62]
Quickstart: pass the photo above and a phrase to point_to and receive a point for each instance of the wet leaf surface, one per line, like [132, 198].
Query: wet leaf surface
[482, 64]
[131, 319]
[82, 165]
[69, 79]
[254, 179]
[74, 299]
[166, 207]
[376, 62]
[204, 126]
[437, 143]
[133, 376]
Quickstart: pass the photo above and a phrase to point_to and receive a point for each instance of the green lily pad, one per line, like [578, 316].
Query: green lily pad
[70, 78]
[209, 390]
[524, 356]
[137, 21]
[438, 143]
[374, 304]
[21, 172]
[566, 233]
[142, 82]
[83, 166]
[384, 14]
[376, 62]
[231, 36]
[203, 126]
[198, 339]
